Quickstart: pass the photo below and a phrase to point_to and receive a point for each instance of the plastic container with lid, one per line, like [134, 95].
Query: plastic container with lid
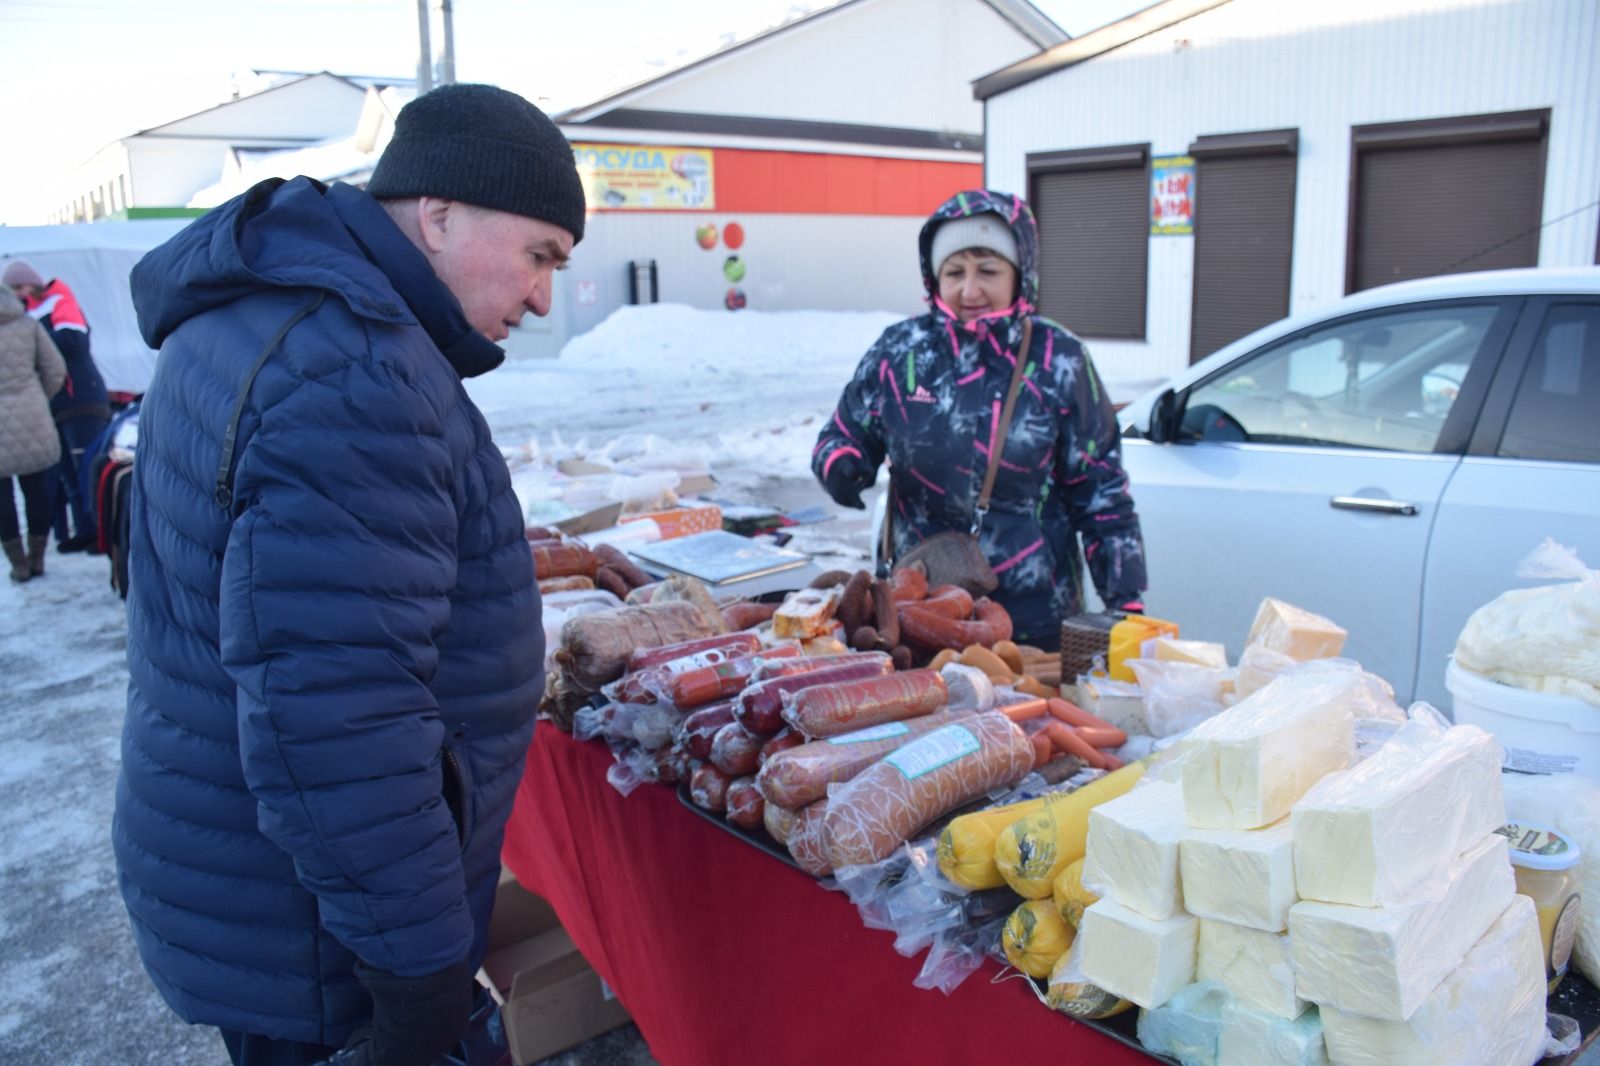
[1546, 865]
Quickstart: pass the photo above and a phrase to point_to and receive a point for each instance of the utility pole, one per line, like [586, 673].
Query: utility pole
[447, 62]
[425, 60]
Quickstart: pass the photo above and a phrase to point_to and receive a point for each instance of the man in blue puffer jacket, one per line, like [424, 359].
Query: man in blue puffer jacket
[334, 644]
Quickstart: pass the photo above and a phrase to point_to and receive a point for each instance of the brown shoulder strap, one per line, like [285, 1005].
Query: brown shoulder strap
[998, 444]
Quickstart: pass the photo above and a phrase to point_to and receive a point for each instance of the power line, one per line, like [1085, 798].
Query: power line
[1517, 237]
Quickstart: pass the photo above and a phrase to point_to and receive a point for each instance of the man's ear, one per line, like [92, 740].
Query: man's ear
[433, 221]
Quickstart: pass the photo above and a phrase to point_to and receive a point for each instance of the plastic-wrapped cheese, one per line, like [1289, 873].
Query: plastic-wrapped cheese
[1252, 965]
[1187, 1027]
[1247, 766]
[1295, 632]
[1135, 957]
[1243, 876]
[1488, 1012]
[1198, 652]
[1368, 835]
[1384, 961]
[1256, 1038]
[1133, 850]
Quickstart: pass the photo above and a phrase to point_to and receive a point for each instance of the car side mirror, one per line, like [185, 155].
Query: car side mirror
[1164, 418]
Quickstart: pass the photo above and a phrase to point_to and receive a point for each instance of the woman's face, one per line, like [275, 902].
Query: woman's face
[975, 282]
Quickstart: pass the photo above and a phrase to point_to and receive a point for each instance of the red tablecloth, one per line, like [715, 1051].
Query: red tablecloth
[724, 955]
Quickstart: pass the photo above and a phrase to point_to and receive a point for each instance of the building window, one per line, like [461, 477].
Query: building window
[1093, 207]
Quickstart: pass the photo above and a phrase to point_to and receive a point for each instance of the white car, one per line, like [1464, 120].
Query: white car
[1385, 461]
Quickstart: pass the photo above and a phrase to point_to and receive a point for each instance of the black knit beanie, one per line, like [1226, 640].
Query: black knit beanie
[484, 146]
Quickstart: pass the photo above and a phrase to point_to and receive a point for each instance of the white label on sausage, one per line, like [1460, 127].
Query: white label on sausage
[939, 748]
[877, 732]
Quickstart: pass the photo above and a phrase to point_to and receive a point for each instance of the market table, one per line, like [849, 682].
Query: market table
[724, 954]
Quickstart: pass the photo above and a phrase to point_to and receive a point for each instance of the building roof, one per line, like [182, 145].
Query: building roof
[225, 105]
[1142, 23]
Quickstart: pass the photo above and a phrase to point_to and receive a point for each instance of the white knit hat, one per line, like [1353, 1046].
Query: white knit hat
[986, 230]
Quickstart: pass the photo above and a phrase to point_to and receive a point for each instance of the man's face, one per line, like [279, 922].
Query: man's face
[25, 291]
[499, 265]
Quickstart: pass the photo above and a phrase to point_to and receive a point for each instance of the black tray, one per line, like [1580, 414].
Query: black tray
[756, 838]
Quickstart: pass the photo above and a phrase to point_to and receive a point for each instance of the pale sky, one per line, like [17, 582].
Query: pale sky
[77, 74]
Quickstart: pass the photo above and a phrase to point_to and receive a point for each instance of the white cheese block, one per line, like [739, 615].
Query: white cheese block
[1295, 632]
[1187, 1026]
[1251, 1037]
[1247, 766]
[1489, 1011]
[1132, 850]
[1120, 703]
[1243, 876]
[1384, 961]
[1368, 835]
[1131, 956]
[1254, 966]
[1198, 652]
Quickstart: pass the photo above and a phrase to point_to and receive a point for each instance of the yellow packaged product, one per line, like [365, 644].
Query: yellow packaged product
[1072, 899]
[1032, 851]
[966, 845]
[1071, 993]
[1035, 937]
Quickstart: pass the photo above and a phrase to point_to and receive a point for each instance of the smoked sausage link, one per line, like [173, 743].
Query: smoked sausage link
[806, 843]
[829, 710]
[760, 706]
[553, 559]
[801, 775]
[889, 801]
[932, 632]
[908, 584]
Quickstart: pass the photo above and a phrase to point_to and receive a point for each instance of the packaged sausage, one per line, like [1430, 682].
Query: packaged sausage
[735, 752]
[801, 775]
[731, 644]
[829, 710]
[708, 787]
[554, 559]
[724, 680]
[701, 728]
[654, 681]
[759, 707]
[778, 821]
[746, 809]
[806, 842]
[594, 649]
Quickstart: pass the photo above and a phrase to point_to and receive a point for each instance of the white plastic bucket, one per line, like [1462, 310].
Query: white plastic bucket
[1541, 734]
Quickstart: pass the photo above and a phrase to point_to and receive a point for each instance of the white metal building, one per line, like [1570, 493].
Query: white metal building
[1310, 150]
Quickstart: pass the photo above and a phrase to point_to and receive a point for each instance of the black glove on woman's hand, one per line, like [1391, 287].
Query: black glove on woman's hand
[847, 476]
[415, 1020]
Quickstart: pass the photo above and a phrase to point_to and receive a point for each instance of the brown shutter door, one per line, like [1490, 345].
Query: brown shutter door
[1094, 241]
[1446, 209]
[1243, 236]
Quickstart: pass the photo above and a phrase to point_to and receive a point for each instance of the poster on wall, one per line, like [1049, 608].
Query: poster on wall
[646, 177]
[1171, 195]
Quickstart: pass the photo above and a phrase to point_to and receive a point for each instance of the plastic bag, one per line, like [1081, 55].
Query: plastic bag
[1178, 696]
[970, 688]
[1187, 1026]
[1544, 639]
[1562, 1035]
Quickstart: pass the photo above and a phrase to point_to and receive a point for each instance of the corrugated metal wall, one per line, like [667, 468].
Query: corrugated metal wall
[1265, 64]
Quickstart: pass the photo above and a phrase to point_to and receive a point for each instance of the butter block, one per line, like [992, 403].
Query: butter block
[1134, 957]
[1384, 961]
[1295, 632]
[1368, 835]
[1132, 850]
[1247, 766]
[1198, 652]
[1243, 876]
[1254, 966]
[1120, 703]
[1251, 1037]
[1187, 1027]
[1489, 1011]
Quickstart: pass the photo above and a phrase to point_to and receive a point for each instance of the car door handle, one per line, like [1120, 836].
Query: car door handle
[1365, 503]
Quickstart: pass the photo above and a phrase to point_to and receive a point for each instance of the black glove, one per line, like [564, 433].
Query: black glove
[847, 475]
[415, 1020]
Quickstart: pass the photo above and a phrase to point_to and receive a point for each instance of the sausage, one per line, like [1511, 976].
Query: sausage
[735, 752]
[745, 805]
[931, 632]
[759, 708]
[782, 740]
[609, 580]
[946, 601]
[696, 688]
[744, 615]
[700, 728]
[1067, 741]
[732, 643]
[671, 765]
[801, 775]
[852, 609]
[884, 617]
[628, 570]
[810, 851]
[902, 657]
[708, 788]
[801, 664]
[778, 821]
[575, 583]
[562, 560]
[864, 638]
[653, 682]
[841, 707]
[908, 584]
[886, 803]
[829, 578]
[541, 533]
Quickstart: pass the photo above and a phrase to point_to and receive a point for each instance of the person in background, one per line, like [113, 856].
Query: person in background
[335, 653]
[928, 395]
[31, 371]
[81, 409]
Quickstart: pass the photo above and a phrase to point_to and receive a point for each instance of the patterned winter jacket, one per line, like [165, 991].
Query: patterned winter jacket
[334, 650]
[927, 397]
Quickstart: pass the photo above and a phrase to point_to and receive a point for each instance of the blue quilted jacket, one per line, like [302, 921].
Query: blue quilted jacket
[334, 646]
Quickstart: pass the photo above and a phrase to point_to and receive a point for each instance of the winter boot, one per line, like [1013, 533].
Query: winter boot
[20, 571]
[36, 547]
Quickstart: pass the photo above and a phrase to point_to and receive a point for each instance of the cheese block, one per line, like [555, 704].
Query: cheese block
[1295, 632]
[1187, 1027]
[1489, 1011]
[1368, 835]
[1118, 702]
[1243, 876]
[1134, 957]
[1247, 766]
[1198, 652]
[1251, 1037]
[1252, 965]
[1132, 851]
[1384, 961]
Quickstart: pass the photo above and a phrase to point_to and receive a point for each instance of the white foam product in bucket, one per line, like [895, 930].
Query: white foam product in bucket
[1541, 734]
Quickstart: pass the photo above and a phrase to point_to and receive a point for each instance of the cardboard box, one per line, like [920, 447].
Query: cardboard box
[682, 521]
[518, 914]
[557, 1005]
[603, 517]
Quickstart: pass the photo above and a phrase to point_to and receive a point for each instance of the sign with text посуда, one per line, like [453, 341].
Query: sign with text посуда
[646, 177]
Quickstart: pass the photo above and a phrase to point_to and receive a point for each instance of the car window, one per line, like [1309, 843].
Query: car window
[1556, 412]
[1381, 381]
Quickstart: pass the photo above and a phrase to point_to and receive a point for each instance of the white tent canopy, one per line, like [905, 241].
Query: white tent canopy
[95, 261]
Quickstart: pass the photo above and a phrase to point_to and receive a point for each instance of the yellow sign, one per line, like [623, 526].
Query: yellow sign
[645, 177]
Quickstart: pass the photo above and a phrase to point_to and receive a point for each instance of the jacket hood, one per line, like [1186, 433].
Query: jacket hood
[1017, 215]
[10, 305]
